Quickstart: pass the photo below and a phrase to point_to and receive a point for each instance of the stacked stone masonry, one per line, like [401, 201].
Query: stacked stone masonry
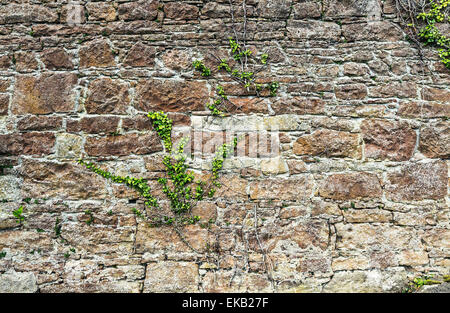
[351, 192]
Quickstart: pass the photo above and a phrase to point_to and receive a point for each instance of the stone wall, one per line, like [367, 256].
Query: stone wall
[352, 194]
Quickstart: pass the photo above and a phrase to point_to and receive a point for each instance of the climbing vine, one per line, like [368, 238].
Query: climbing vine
[238, 70]
[181, 188]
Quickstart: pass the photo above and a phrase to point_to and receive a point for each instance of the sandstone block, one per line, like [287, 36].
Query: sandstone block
[171, 276]
[123, 144]
[4, 104]
[274, 166]
[313, 29]
[376, 31]
[363, 236]
[139, 122]
[247, 282]
[165, 239]
[30, 143]
[167, 95]
[140, 55]
[435, 140]
[299, 105]
[309, 9]
[436, 238]
[68, 181]
[106, 95]
[93, 125]
[366, 281]
[248, 105]
[314, 264]
[298, 188]
[26, 13]
[395, 90]
[342, 9]
[355, 69]
[305, 234]
[271, 8]
[5, 62]
[39, 123]
[56, 59]
[233, 187]
[329, 143]
[181, 11]
[101, 11]
[424, 109]
[436, 94]
[10, 188]
[17, 282]
[177, 59]
[25, 61]
[4, 84]
[367, 216]
[296, 166]
[97, 53]
[139, 10]
[69, 146]
[413, 258]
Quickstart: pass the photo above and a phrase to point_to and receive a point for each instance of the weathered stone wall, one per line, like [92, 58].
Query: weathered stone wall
[351, 196]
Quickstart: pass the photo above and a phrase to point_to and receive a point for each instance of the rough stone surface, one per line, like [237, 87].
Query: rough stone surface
[16, 282]
[48, 93]
[30, 143]
[123, 145]
[441, 288]
[140, 55]
[371, 281]
[351, 186]
[139, 10]
[171, 277]
[281, 189]
[302, 30]
[435, 141]
[56, 58]
[106, 95]
[167, 95]
[97, 53]
[4, 104]
[181, 11]
[418, 181]
[48, 179]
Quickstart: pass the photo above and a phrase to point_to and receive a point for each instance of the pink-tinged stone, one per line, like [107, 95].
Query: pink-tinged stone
[417, 181]
[390, 140]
